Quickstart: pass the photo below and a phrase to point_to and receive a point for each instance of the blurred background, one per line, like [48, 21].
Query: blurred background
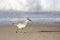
[42, 12]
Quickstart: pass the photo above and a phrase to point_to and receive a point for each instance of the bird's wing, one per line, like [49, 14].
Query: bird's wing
[21, 22]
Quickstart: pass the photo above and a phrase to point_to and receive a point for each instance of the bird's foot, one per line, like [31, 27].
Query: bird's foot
[16, 32]
[22, 28]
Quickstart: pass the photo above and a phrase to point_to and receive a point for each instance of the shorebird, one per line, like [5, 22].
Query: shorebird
[22, 25]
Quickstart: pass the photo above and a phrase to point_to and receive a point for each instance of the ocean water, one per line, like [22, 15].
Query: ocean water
[38, 18]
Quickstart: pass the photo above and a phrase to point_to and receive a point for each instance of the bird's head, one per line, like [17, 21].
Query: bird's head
[29, 19]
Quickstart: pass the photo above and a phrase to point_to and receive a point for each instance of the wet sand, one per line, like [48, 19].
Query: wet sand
[30, 33]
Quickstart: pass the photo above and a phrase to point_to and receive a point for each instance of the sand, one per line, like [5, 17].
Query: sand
[30, 33]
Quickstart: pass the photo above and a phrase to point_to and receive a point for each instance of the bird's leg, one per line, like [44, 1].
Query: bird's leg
[22, 29]
[17, 30]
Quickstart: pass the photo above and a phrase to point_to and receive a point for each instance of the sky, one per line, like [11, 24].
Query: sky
[30, 5]
[53, 5]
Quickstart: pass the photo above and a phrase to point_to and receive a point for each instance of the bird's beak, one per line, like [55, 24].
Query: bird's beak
[30, 20]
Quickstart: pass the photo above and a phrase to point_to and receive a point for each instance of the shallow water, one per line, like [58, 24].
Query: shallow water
[47, 18]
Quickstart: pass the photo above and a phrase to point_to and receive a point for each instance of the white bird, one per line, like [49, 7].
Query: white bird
[22, 24]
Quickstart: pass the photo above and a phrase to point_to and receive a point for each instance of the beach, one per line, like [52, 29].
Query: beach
[30, 33]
